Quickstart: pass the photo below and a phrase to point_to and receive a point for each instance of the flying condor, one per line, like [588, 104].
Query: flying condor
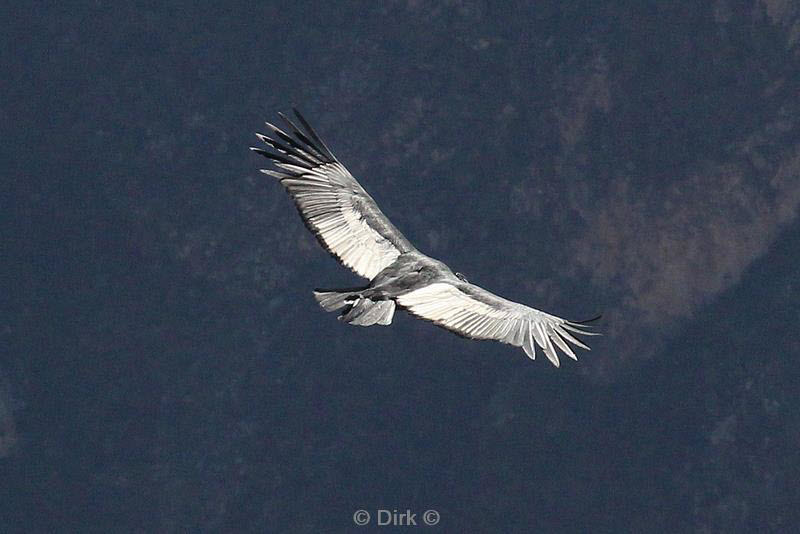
[348, 224]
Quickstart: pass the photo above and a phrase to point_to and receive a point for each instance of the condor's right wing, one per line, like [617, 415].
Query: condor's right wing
[473, 312]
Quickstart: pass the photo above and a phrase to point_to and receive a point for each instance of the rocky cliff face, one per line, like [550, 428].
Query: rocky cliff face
[165, 364]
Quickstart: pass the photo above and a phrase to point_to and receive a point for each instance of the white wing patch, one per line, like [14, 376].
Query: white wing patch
[500, 319]
[331, 207]
[338, 211]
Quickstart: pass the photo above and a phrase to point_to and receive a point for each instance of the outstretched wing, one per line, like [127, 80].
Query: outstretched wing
[473, 312]
[334, 206]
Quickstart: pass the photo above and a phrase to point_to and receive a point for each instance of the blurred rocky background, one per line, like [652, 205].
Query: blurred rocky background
[163, 366]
